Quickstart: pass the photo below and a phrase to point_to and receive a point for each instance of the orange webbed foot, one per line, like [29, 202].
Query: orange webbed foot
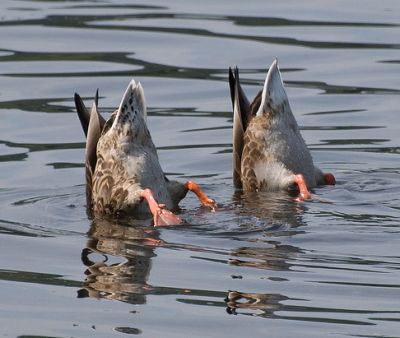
[164, 217]
[161, 216]
[204, 199]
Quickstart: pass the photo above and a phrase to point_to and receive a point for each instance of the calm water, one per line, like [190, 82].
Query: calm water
[263, 265]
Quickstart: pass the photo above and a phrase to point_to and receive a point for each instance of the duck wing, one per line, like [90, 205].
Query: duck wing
[93, 135]
[241, 118]
[92, 124]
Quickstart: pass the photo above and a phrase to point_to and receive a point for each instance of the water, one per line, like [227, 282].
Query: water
[263, 265]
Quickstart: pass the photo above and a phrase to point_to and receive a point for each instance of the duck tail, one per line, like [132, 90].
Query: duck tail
[84, 113]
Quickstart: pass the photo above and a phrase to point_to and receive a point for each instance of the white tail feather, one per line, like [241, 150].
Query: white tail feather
[133, 100]
[273, 91]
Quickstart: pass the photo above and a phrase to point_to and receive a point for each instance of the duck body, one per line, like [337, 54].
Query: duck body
[269, 152]
[273, 151]
[123, 173]
[123, 167]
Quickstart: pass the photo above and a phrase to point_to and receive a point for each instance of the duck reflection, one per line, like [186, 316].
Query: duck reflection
[264, 304]
[118, 257]
[280, 215]
[118, 261]
[274, 258]
[273, 208]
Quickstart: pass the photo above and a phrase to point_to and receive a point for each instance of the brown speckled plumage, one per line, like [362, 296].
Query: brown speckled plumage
[253, 152]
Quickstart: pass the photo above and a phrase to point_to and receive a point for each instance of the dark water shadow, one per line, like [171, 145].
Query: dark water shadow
[36, 278]
[86, 21]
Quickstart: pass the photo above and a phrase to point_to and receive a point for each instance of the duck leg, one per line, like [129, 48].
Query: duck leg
[204, 199]
[161, 216]
[301, 183]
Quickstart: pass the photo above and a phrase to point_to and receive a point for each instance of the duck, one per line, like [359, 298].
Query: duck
[269, 153]
[123, 173]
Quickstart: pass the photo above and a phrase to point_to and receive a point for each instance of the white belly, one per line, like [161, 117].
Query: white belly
[286, 154]
[144, 167]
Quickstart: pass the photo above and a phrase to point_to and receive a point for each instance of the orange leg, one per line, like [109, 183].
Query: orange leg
[204, 199]
[300, 181]
[329, 179]
[161, 216]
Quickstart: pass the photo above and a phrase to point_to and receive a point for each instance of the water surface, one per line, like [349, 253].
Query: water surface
[264, 264]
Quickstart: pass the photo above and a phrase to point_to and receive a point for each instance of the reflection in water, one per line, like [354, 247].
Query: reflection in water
[276, 209]
[125, 280]
[266, 252]
[273, 258]
[118, 260]
[268, 306]
[283, 214]
[264, 304]
[132, 246]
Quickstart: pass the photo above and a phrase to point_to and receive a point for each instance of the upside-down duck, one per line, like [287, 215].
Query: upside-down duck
[269, 153]
[123, 173]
